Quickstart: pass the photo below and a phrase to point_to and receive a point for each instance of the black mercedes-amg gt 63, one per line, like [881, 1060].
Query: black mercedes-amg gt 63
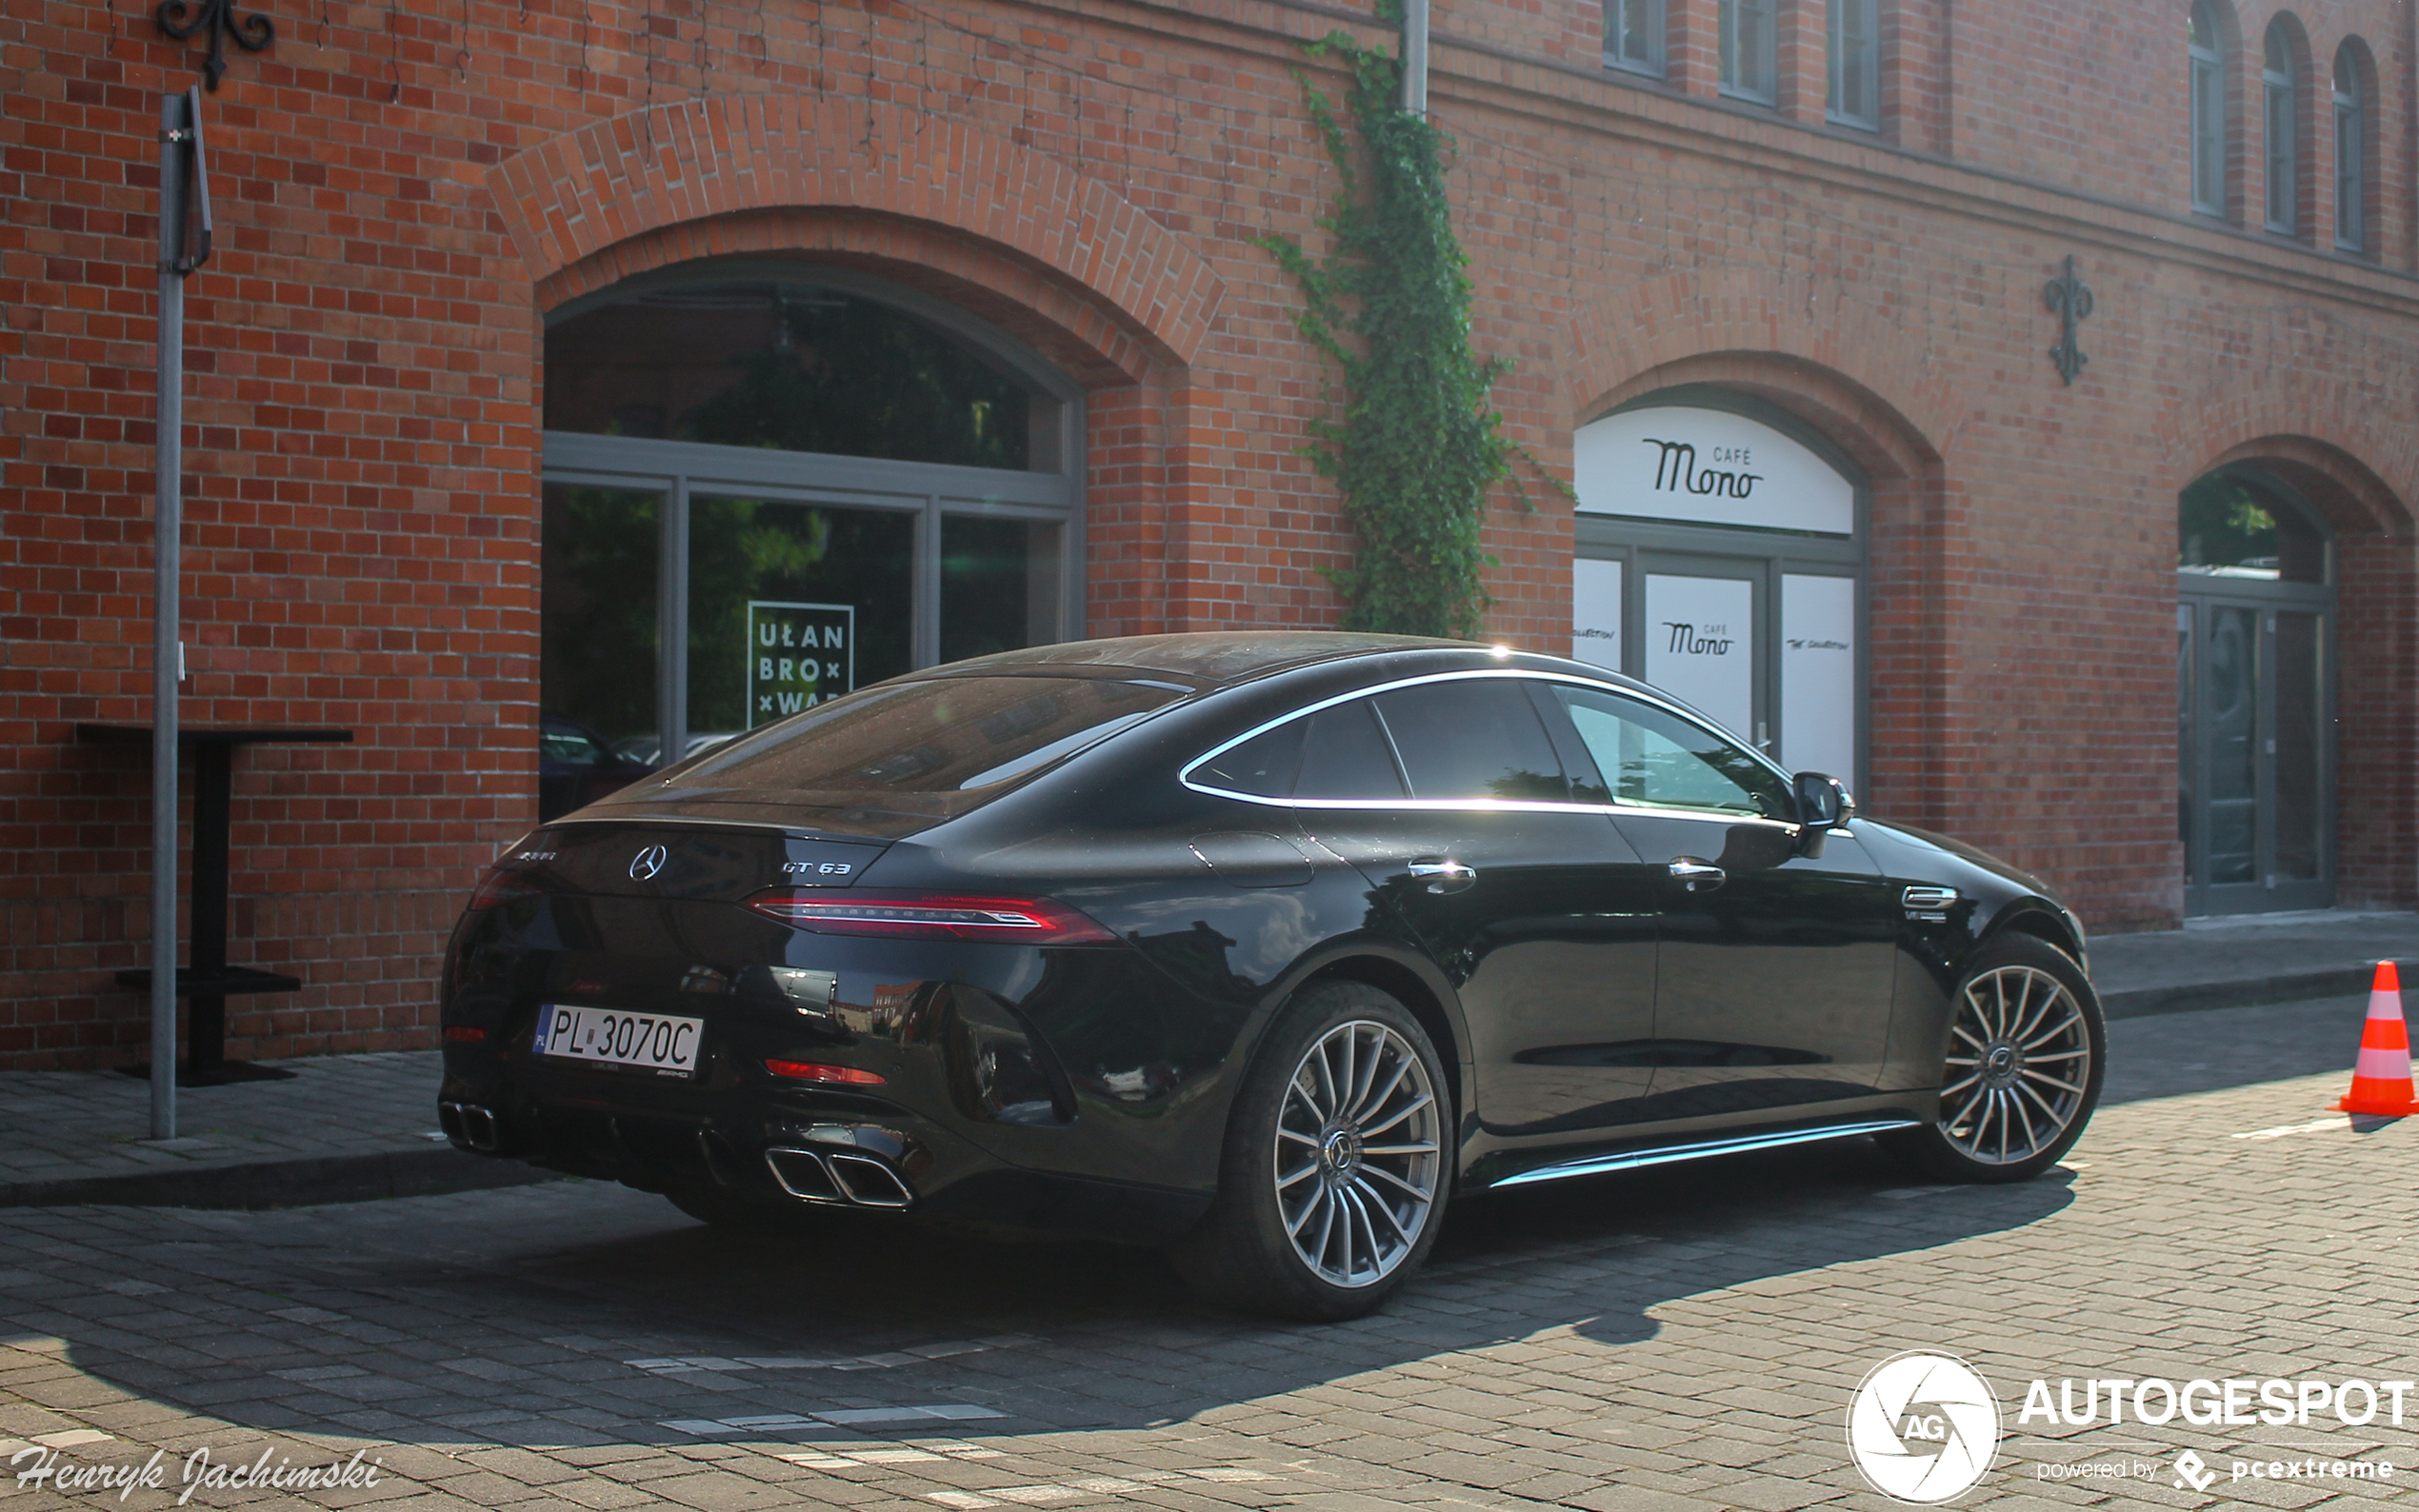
[1258, 946]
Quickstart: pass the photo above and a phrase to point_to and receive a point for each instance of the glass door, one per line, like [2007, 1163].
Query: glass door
[1700, 637]
[2255, 775]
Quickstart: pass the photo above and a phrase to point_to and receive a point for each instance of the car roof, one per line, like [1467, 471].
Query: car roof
[1214, 658]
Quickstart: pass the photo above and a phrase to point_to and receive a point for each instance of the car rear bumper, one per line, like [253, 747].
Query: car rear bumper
[796, 1149]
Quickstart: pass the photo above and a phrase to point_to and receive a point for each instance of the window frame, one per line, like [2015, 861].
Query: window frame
[2352, 156]
[1186, 774]
[2281, 128]
[2205, 93]
[1733, 52]
[1867, 53]
[1657, 63]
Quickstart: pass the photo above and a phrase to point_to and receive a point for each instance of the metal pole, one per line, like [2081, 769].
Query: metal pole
[167, 566]
[1415, 58]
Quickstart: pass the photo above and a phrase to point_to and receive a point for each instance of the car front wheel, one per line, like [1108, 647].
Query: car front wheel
[2026, 1048]
[1334, 1174]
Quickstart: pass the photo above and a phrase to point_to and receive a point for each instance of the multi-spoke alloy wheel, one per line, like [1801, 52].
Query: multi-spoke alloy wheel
[1338, 1165]
[1356, 1153]
[2022, 1070]
[2019, 1066]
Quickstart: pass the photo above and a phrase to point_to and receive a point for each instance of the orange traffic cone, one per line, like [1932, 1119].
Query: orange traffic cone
[2381, 1078]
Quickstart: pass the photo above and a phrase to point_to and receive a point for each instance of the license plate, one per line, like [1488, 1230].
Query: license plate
[649, 1041]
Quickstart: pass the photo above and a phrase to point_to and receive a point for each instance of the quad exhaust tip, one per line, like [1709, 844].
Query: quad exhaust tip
[857, 1180]
[471, 1124]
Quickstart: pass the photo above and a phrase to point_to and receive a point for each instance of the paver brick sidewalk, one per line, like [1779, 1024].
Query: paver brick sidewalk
[345, 1128]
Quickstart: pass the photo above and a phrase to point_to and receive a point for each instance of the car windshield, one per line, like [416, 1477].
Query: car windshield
[945, 744]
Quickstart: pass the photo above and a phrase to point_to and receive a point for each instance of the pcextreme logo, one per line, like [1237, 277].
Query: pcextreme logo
[1923, 1428]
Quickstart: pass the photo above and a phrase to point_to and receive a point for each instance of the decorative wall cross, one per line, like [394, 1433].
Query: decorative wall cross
[2071, 298]
[183, 18]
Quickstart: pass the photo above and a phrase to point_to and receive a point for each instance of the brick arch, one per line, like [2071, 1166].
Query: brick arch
[2358, 466]
[1801, 343]
[1805, 346]
[574, 197]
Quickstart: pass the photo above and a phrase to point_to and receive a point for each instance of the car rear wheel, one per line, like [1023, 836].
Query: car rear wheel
[2027, 1049]
[1335, 1169]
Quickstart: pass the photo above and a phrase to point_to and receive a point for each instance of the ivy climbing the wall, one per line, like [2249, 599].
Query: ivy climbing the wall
[1418, 447]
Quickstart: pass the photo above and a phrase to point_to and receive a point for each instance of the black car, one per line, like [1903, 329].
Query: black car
[1257, 946]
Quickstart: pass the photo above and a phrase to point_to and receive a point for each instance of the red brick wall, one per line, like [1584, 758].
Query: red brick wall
[403, 194]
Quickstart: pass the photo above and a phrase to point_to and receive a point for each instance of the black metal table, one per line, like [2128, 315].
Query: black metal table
[207, 980]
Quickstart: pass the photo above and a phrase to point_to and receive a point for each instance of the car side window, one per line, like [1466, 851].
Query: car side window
[1656, 760]
[1262, 766]
[1346, 755]
[1472, 738]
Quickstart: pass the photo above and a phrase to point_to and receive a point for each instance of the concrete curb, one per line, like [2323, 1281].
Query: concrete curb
[2238, 993]
[284, 1184]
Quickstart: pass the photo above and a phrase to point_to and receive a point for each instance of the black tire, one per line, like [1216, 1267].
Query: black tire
[2010, 1104]
[740, 1215]
[1340, 1167]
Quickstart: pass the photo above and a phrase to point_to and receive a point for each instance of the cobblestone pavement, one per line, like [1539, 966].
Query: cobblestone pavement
[64, 1124]
[1658, 1341]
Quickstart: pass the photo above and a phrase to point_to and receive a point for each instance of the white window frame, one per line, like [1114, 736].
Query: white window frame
[1750, 50]
[1650, 55]
[1856, 54]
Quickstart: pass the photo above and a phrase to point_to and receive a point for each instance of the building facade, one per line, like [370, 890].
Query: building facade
[2015, 416]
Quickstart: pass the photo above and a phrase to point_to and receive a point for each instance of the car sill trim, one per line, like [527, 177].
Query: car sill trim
[1633, 1160]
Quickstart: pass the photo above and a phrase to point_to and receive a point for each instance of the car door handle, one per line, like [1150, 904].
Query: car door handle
[1698, 876]
[1444, 876]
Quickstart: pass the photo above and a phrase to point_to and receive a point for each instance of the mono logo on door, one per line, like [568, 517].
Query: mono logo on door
[1700, 635]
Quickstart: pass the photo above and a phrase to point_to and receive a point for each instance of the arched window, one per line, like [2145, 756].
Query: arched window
[1855, 37]
[2283, 120]
[1633, 36]
[2208, 112]
[768, 483]
[2352, 153]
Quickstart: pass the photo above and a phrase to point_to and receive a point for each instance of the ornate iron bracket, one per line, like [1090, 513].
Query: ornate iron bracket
[2069, 297]
[181, 19]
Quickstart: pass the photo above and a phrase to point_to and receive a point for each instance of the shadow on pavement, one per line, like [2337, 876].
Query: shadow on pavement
[457, 1298]
[515, 1315]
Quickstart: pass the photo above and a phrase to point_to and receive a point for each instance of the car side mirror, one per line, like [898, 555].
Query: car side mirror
[1823, 804]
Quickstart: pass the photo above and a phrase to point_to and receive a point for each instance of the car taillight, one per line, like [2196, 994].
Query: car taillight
[933, 916]
[464, 1034]
[500, 886]
[816, 1071]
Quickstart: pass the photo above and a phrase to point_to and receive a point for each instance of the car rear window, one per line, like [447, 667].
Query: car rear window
[958, 739]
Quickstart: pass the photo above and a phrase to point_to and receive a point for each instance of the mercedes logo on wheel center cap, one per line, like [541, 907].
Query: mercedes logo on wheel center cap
[1923, 1428]
[644, 865]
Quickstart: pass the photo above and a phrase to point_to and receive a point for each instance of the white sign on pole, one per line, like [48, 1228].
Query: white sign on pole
[1818, 674]
[1595, 612]
[1708, 466]
[1700, 644]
